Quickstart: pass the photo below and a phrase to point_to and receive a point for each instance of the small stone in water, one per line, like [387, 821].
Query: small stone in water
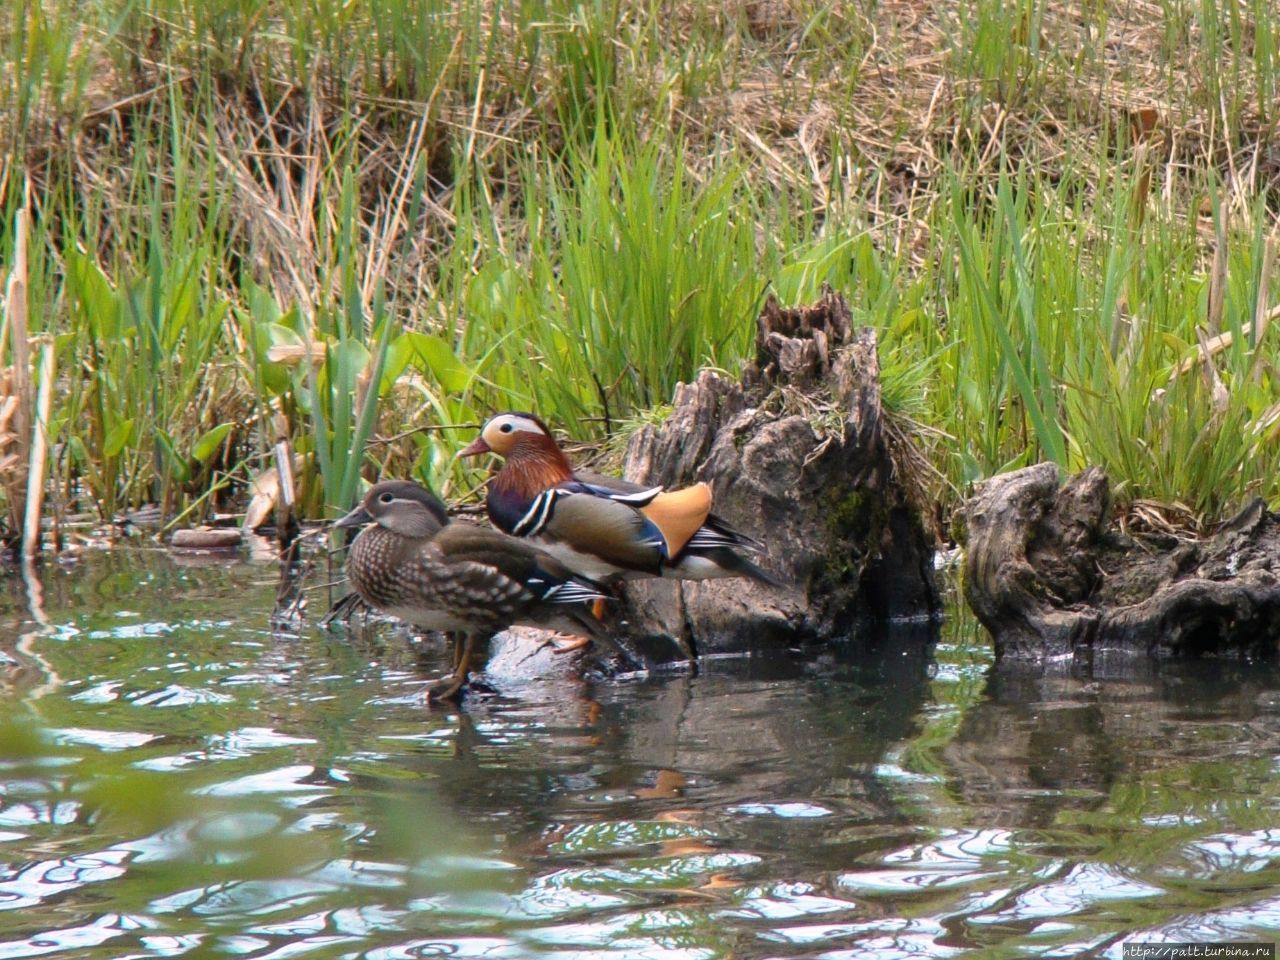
[206, 538]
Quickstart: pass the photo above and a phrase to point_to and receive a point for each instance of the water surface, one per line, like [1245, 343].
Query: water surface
[181, 779]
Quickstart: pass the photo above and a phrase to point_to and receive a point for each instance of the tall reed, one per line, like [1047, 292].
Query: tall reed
[375, 216]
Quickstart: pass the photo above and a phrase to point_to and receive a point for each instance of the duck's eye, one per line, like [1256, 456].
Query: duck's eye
[506, 428]
[386, 498]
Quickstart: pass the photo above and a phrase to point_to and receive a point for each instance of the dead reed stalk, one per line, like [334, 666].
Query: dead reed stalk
[16, 406]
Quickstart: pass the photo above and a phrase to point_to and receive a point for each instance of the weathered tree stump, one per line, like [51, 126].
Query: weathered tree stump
[1049, 578]
[798, 458]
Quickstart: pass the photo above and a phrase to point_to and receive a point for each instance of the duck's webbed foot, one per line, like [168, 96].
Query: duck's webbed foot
[568, 643]
[451, 687]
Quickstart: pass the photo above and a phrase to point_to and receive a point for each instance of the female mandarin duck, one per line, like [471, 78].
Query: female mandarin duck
[414, 564]
[604, 528]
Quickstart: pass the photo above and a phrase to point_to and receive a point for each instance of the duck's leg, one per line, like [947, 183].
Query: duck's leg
[571, 642]
[568, 643]
[451, 686]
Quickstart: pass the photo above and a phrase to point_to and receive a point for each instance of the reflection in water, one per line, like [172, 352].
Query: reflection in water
[1035, 745]
[203, 783]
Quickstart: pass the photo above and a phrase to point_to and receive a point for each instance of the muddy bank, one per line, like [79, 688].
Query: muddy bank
[800, 456]
[1050, 576]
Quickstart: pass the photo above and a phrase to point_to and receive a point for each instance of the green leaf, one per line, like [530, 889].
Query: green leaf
[76, 448]
[399, 354]
[95, 294]
[434, 357]
[972, 395]
[262, 305]
[208, 444]
[178, 468]
[352, 357]
[970, 470]
[365, 420]
[280, 335]
[117, 438]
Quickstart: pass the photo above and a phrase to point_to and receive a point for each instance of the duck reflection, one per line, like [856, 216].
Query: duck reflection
[774, 741]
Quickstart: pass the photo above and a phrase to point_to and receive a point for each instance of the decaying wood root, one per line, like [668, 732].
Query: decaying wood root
[1049, 578]
[797, 457]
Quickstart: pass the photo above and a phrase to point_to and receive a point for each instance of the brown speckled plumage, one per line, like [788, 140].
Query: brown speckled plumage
[414, 581]
[413, 564]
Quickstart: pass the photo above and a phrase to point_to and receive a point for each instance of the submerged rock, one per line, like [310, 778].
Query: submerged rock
[1049, 577]
[518, 655]
[800, 458]
[206, 538]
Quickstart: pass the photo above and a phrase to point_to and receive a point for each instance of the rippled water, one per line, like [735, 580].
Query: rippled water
[180, 779]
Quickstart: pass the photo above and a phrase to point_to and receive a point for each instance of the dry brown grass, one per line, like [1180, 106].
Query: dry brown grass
[837, 105]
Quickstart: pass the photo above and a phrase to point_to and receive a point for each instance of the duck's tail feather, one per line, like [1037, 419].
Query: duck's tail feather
[716, 533]
[738, 565]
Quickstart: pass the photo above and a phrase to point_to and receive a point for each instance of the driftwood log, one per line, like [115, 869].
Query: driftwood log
[799, 457]
[1049, 578]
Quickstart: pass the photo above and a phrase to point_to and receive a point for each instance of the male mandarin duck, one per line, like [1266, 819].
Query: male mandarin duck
[411, 562]
[604, 528]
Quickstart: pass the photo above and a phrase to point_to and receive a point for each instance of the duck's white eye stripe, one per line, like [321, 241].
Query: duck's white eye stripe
[517, 425]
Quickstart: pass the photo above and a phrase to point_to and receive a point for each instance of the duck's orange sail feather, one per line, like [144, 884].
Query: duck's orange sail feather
[679, 514]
